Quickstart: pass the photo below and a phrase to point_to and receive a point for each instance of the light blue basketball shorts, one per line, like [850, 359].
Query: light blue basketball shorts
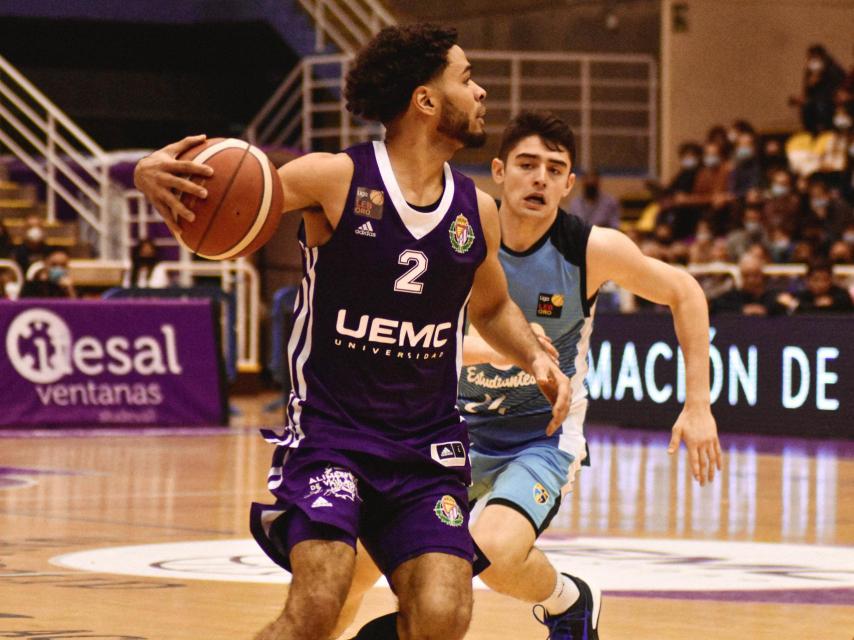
[530, 481]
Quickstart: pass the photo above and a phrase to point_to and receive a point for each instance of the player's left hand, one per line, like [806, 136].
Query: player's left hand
[697, 427]
[555, 386]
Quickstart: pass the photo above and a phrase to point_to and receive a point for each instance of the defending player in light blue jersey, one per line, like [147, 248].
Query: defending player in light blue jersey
[555, 265]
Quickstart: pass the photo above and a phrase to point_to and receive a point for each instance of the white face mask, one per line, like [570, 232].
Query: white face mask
[815, 64]
[842, 121]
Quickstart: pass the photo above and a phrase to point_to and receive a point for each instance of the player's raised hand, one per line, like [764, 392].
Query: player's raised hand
[162, 179]
[555, 386]
[699, 431]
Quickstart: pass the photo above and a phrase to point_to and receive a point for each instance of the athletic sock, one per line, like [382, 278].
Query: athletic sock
[565, 594]
[382, 628]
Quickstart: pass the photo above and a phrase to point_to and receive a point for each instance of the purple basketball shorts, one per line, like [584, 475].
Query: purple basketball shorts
[399, 511]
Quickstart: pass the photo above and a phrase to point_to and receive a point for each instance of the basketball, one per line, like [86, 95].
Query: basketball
[244, 199]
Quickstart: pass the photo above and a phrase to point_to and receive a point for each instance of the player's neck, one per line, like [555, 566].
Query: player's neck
[418, 161]
[519, 232]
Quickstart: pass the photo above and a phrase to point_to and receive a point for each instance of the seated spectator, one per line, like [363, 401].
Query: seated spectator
[33, 247]
[5, 242]
[720, 251]
[773, 158]
[848, 235]
[749, 232]
[700, 251]
[841, 253]
[710, 197]
[752, 298]
[822, 77]
[52, 280]
[828, 210]
[747, 172]
[144, 257]
[681, 185]
[802, 252]
[782, 207]
[595, 206]
[821, 295]
[719, 135]
[737, 128]
[779, 245]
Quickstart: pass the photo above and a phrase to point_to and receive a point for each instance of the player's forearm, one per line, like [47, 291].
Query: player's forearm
[507, 331]
[691, 320]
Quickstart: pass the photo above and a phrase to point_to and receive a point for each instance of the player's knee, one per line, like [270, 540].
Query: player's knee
[504, 554]
[436, 615]
[316, 611]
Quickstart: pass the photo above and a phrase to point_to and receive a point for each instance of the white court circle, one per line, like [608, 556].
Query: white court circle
[615, 564]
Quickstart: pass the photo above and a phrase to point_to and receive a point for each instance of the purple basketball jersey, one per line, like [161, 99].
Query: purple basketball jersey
[376, 347]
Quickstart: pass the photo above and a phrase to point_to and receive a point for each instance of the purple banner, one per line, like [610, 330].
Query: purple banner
[789, 376]
[109, 362]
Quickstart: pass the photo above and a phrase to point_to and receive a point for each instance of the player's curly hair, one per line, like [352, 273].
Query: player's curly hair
[552, 130]
[389, 68]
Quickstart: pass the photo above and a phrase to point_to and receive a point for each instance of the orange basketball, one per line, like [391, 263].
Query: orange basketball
[244, 200]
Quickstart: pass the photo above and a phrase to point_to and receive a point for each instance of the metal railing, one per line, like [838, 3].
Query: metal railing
[347, 24]
[73, 167]
[240, 277]
[792, 270]
[610, 101]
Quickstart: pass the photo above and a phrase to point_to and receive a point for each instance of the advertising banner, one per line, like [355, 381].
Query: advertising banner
[103, 362]
[790, 375]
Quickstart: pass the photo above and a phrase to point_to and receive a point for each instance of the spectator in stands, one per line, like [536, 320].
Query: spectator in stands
[719, 135]
[737, 128]
[669, 208]
[821, 295]
[779, 244]
[53, 280]
[773, 158]
[144, 257]
[751, 230]
[711, 188]
[595, 206]
[753, 298]
[700, 251]
[841, 253]
[802, 252]
[5, 242]
[33, 246]
[848, 235]
[746, 172]
[822, 77]
[828, 210]
[783, 204]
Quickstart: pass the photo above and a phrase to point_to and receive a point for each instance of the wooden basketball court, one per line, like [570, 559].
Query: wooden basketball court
[677, 561]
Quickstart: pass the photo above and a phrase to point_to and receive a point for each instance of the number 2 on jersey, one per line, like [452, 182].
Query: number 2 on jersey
[408, 283]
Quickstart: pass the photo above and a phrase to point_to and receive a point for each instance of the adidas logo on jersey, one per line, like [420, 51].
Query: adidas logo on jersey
[366, 229]
[321, 502]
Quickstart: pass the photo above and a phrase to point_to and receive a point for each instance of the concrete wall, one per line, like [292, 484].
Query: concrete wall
[742, 59]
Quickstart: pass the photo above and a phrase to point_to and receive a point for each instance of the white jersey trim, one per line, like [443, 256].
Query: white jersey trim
[418, 223]
[572, 438]
[296, 360]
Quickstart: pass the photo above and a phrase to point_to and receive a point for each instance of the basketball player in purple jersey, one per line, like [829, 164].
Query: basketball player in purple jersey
[397, 249]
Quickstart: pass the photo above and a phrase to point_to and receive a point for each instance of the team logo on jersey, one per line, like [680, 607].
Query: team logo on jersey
[448, 511]
[541, 494]
[366, 229]
[334, 482]
[369, 203]
[549, 305]
[461, 234]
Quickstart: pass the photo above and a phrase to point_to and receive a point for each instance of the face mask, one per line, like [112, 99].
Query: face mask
[704, 237]
[848, 238]
[842, 121]
[732, 136]
[744, 153]
[819, 203]
[815, 64]
[591, 191]
[779, 190]
[55, 274]
[690, 162]
[781, 244]
[751, 226]
[34, 234]
[711, 160]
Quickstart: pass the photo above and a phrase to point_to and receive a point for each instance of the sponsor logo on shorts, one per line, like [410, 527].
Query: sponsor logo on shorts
[461, 234]
[541, 494]
[320, 502]
[336, 482]
[449, 454]
[549, 305]
[448, 511]
[369, 203]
